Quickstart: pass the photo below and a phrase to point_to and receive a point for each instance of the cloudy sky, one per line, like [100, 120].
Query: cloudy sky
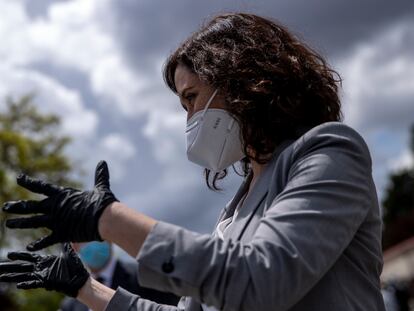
[97, 63]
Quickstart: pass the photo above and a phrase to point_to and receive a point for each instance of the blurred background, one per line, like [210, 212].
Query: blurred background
[80, 81]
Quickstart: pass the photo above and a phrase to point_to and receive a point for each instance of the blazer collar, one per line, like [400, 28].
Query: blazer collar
[231, 206]
[255, 197]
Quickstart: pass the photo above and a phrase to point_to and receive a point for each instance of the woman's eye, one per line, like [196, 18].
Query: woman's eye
[190, 97]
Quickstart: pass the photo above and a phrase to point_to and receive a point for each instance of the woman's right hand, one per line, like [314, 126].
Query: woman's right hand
[64, 273]
[72, 215]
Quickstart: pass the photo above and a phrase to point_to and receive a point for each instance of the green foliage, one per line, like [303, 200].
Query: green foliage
[399, 208]
[37, 299]
[399, 201]
[30, 142]
[398, 205]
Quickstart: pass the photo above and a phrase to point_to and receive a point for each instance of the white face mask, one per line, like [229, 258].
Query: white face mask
[213, 138]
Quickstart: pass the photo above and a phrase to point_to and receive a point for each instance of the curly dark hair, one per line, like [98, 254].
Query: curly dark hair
[274, 84]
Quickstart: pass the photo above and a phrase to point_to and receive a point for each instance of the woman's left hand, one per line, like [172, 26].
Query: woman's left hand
[72, 215]
[64, 273]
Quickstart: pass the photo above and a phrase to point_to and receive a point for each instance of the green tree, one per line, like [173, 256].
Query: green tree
[398, 204]
[30, 142]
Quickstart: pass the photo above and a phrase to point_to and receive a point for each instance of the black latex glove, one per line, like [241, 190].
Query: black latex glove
[71, 214]
[64, 273]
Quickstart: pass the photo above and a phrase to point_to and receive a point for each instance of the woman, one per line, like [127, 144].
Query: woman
[302, 232]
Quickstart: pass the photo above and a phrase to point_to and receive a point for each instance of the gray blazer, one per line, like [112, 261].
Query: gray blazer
[307, 238]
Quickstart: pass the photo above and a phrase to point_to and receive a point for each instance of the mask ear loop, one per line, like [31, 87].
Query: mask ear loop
[208, 104]
[202, 117]
[230, 125]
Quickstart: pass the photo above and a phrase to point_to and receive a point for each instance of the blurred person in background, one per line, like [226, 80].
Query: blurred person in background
[6, 303]
[397, 296]
[390, 299]
[302, 233]
[100, 260]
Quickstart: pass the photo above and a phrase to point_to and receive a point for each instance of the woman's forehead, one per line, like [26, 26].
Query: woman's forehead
[184, 78]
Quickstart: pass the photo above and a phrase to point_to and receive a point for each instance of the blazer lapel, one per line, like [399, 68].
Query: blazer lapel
[254, 198]
[250, 204]
[231, 206]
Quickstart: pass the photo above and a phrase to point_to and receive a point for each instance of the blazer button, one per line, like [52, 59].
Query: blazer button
[168, 266]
